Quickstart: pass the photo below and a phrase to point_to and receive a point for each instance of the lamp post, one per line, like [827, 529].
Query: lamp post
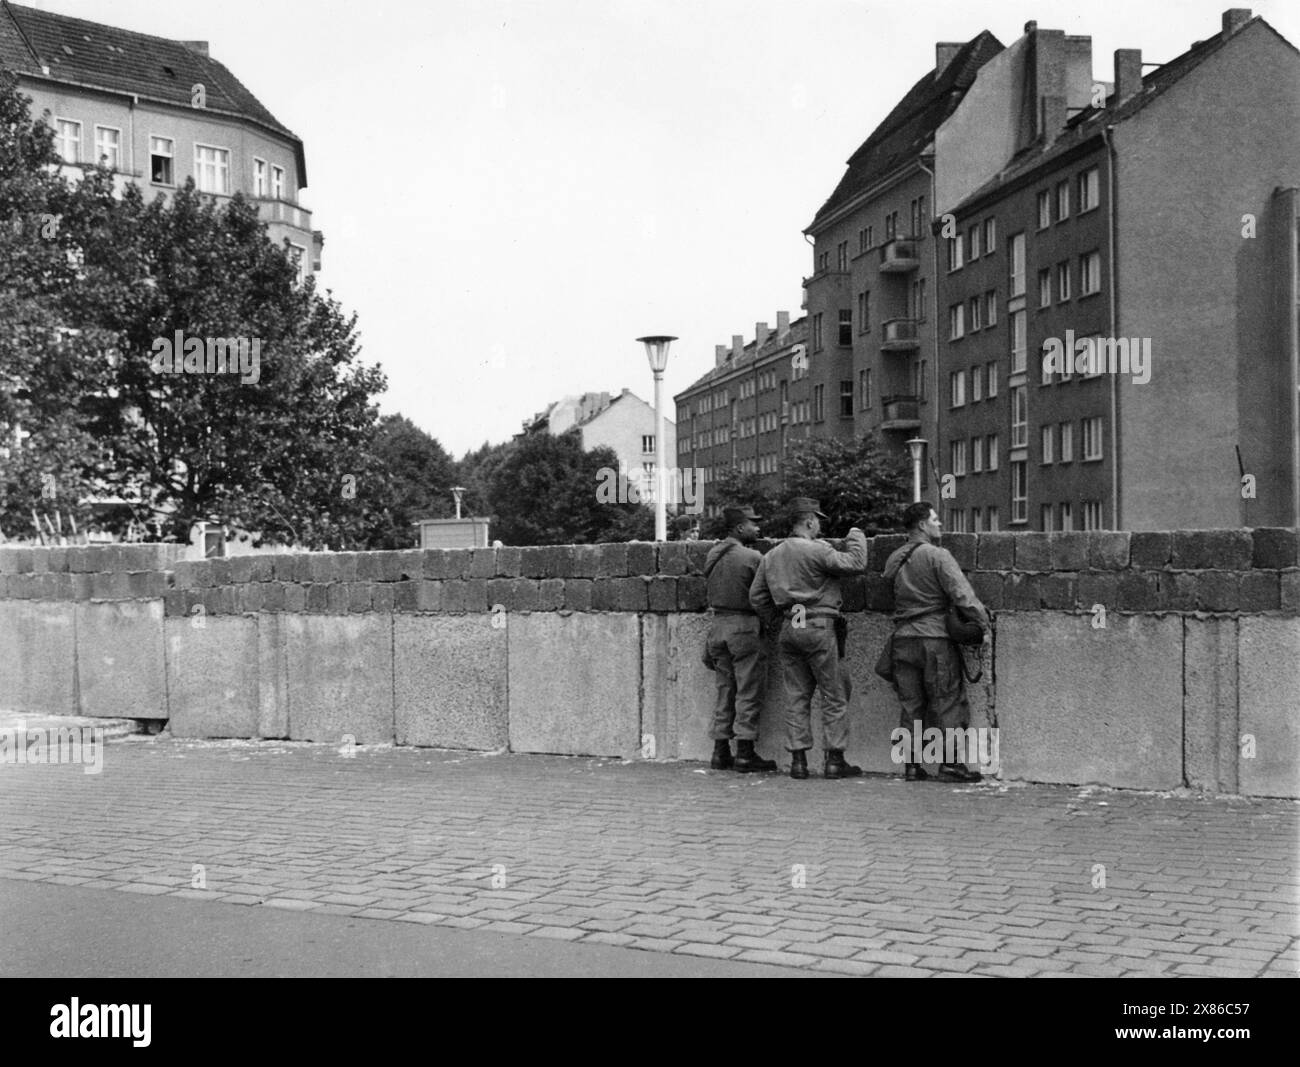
[656, 350]
[917, 447]
[456, 491]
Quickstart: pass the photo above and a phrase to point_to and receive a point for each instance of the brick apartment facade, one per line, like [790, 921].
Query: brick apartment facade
[129, 100]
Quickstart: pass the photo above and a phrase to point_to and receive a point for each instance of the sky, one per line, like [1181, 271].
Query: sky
[513, 191]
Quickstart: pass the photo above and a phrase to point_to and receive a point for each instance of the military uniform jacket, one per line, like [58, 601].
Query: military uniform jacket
[925, 586]
[803, 571]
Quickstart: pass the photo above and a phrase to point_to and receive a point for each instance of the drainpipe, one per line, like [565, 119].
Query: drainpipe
[135, 102]
[1114, 328]
[934, 325]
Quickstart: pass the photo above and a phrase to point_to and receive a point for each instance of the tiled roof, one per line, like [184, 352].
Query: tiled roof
[89, 53]
[797, 334]
[907, 129]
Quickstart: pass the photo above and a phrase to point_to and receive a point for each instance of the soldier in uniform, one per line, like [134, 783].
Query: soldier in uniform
[798, 582]
[734, 646]
[927, 665]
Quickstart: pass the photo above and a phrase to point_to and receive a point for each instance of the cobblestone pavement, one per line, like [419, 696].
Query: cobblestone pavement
[867, 877]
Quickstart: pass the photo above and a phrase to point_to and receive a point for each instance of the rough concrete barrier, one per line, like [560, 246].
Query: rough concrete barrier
[1144, 660]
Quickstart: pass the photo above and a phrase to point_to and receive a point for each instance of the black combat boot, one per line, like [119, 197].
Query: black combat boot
[748, 761]
[836, 767]
[799, 763]
[915, 772]
[956, 772]
[722, 760]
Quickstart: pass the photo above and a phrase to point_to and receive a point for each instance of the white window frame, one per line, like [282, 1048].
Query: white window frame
[956, 320]
[1016, 264]
[957, 389]
[220, 169]
[300, 256]
[169, 155]
[1092, 431]
[1044, 209]
[1019, 491]
[1062, 200]
[990, 308]
[976, 455]
[1090, 271]
[992, 456]
[992, 389]
[990, 236]
[1046, 441]
[992, 519]
[260, 177]
[1045, 287]
[957, 457]
[1067, 442]
[1063, 281]
[1067, 516]
[1019, 416]
[1093, 516]
[277, 182]
[975, 302]
[1089, 189]
[1019, 341]
[976, 383]
[61, 140]
[115, 162]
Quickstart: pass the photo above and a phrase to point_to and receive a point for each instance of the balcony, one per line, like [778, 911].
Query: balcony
[900, 413]
[900, 255]
[899, 335]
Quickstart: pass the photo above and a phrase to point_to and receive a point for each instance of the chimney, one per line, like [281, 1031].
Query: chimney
[737, 345]
[200, 46]
[1031, 27]
[760, 335]
[1128, 73]
[1053, 117]
[944, 53]
[782, 323]
[720, 355]
[1234, 19]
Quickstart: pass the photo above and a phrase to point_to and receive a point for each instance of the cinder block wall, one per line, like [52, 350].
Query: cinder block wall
[1143, 660]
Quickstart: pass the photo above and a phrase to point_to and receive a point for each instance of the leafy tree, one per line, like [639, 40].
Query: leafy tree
[736, 488]
[412, 479]
[857, 482]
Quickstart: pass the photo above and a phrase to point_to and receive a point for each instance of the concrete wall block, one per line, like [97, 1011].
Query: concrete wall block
[220, 567]
[449, 681]
[58, 559]
[474, 598]
[176, 603]
[642, 558]
[434, 563]
[1059, 592]
[406, 595]
[251, 596]
[996, 551]
[604, 594]
[1210, 703]
[11, 558]
[40, 558]
[359, 596]
[1068, 551]
[577, 594]
[483, 563]
[853, 592]
[38, 657]
[1289, 583]
[575, 684]
[454, 595]
[586, 561]
[212, 677]
[369, 567]
[1217, 591]
[1099, 587]
[1275, 548]
[1137, 591]
[382, 597]
[1021, 593]
[411, 565]
[272, 677]
[964, 548]
[662, 593]
[340, 677]
[1258, 591]
[524, 595]
[631, 594]
[295, 597]
[1178, 592]
[1033, 551]
[509, 562]
[989, 586]
[1207, 549]
[550, 594]
[1268, 695]
[1150, 550]
[692, 593]
[547, 561]
[284, 567]
[880, 548]
[1108, 550]
[241, 568]
[696, 553]
[878, 594]
[347, 564]
[498, 592]
[613, 560]
[458, 562]
[322, 568]
[274, 597]
[317, 598]
[121, 664]
[81, 560]
[674, 558]
[1120, 724]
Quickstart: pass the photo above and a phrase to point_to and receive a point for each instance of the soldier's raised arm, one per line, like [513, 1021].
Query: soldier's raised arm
[853, 560]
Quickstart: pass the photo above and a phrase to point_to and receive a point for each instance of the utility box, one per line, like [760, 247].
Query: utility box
[453, 533]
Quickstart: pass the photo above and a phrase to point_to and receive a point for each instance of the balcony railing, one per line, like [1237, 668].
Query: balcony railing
[900, 413]
[899, 255]
[899, 335]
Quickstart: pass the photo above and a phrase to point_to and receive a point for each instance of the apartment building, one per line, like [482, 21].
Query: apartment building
[1149, 223]
[158, 112]
[751, 407]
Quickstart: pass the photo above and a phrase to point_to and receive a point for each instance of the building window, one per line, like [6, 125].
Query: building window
[1019, 491]
[977, 454]
[211, 169]
[1092, 438]
[1067, 442]
[1089, 273]
[1016, 271]
[1062, 201]
[1092, 515]
[990, 237]
[957, 454]
[259, 177]
[1063, 281]
[817, 332]
[1047, 439]
[819, 403]
[864, 389]
[993, 526]
[975, 303]
[973, 242]
[864, 312]
[299, 254]
[823, 261]
[1044, 209]
[842, 255]
[919, 378]
[1044, 375]
[1018, 341]
[160, 160]
[976, 383]
[1045, 517]
[918, 216]
[991, 308]
[1045, 287]
[1067, 515]
[955, 321]
[1089, 190]
[956, 520]
[68, 141]
[920, 302]
[957, 389]
[891, 225]
[846, 326]
[974, 520]
[277, 182]
[954, 253]
[1019, 417]
[108, 147]
[993, 380]
[846, 399]
[647, 444]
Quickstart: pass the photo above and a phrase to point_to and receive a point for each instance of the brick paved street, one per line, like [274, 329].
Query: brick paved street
[868, 877]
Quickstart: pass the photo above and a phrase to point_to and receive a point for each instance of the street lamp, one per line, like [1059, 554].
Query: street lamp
[917, 447]
[656, 350]
[456, 491]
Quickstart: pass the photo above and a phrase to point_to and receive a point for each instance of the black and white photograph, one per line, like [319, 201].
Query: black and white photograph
[650, 489]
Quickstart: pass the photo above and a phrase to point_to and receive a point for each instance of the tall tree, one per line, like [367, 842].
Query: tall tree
[413, 479]
[857, 482]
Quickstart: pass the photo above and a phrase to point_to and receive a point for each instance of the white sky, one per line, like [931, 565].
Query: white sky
[559, 178]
